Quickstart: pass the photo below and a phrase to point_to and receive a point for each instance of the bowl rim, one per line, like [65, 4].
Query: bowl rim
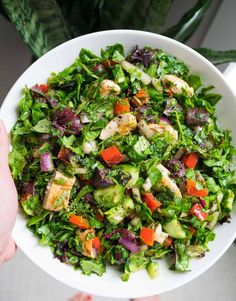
[118, 32]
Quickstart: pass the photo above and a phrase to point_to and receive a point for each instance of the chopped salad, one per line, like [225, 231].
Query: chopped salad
[118, 160]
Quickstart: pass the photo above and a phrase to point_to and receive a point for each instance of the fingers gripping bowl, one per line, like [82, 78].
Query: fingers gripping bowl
[139, 284]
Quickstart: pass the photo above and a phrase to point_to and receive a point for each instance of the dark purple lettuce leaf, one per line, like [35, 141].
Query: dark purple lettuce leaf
[142, 56]
[37, 94]
[28, 187]
[176, 168]
[100, 179]
[196, 117]
[67, 122]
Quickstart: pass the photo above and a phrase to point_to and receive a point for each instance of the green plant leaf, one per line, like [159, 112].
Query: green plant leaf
[2, 11]
[218, 57]
[189, 22]
[82, 16]
[40, 23]
[134, 14]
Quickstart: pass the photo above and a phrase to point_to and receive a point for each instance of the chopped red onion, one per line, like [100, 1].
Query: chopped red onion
[128, 244]
[203, 202]
[163, 119]
[127, 234]
[52, 101]
[46, 162]
[100, 179]
[98, 69]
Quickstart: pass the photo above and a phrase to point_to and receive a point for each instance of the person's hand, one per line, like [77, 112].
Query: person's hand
[8, 200]
[81, 297]
[153, 298]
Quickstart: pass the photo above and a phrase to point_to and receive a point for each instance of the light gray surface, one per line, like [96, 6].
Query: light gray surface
[14, 57]
[222, 32]
[174, 16]
[21, 280]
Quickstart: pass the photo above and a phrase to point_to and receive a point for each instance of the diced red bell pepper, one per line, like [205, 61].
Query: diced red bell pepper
[79, 221]
[96, 243]
[121, 106]
[140, 98]
[190, 160]
[112, 155]
[99, 216]
[43, 88]
[192, 230]
[25, 196]
[192, 189]
[168, 241]
[151, 202]
[108, 63]
[64, 154]
[169, 92]
[147, 236]
[197, 211]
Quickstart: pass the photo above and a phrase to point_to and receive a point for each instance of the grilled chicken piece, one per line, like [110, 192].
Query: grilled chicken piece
[167, 181]
[177, 85]
[57, 193]
[109, 88]
[149, 130]
[122, 124]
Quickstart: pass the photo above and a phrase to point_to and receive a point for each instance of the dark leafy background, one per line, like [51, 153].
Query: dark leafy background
[45, 24]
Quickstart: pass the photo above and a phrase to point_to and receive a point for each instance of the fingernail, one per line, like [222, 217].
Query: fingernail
[88, 298]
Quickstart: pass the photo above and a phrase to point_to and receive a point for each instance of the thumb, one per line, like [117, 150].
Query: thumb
[8, 194]
[4, 146]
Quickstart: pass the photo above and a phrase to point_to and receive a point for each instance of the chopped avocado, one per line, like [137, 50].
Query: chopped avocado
[228, 200]
[152, 269]
[116, 214]
[128, 204]
[211, 225]
[132, 172]
[174, 229]
[195, 251]
[136, 194]
[219, 197]
[109, 197]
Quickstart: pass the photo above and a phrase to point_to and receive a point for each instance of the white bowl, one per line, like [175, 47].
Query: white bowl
[109, 284]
